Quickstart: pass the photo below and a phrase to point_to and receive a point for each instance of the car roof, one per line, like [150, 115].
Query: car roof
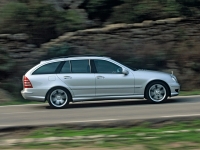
[64, 58]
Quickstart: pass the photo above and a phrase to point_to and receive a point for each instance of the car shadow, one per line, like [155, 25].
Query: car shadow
[93, 104]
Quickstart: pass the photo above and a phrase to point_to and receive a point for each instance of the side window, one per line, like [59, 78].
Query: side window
[103, 66]
[66, 68]
[47, 69]
[80, 66]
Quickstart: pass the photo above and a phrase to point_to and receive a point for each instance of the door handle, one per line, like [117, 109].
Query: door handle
[100, 77]
[67, 77]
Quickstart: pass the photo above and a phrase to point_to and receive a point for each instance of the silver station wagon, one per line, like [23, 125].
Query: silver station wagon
[73, 79]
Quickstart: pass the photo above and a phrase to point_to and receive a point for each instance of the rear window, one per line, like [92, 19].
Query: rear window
[47, 69]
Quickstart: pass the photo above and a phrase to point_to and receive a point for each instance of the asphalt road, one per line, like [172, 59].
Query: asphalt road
[42, 114]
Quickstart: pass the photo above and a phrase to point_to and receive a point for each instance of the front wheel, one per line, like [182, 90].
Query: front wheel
[157, 92]
[58, 98]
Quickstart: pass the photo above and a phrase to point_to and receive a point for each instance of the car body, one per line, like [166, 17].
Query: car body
[72, 79]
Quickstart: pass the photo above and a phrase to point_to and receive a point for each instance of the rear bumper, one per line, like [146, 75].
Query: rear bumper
[29, 96]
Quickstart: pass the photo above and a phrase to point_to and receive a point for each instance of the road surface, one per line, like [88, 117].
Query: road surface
[42, 114]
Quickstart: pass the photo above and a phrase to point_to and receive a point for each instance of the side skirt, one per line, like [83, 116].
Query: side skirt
[77, 99]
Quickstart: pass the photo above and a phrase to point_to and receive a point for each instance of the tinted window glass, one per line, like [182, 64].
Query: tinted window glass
[47, 69]
[66, 68]
[80, 66]
[103, 66]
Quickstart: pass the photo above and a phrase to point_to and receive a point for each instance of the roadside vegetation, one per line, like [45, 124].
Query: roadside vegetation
[38, 19]
[189, 93]
[170, 135]
[43, 22]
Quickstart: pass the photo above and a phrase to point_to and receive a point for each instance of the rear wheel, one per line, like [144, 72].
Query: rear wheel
[58, 98]
[157, 92]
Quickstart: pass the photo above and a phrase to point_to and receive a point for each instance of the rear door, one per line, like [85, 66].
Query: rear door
[76, 74]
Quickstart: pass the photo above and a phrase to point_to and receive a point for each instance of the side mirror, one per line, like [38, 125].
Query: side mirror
[125, 71]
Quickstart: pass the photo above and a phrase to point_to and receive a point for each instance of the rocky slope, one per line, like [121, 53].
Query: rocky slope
[166, 45]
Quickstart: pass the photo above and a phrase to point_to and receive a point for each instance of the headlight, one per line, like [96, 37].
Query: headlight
[174, 78]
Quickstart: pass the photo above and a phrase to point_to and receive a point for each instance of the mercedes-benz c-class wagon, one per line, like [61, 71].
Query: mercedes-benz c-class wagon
[72, 79]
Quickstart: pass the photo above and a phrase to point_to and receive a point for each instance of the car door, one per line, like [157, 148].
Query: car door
[76, 74]
[110, 81]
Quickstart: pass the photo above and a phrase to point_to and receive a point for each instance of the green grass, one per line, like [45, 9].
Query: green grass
[123, 132]
[18, 102]
[189, 93]
[127, 137]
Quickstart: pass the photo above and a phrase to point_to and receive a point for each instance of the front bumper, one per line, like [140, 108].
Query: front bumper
[175, 89]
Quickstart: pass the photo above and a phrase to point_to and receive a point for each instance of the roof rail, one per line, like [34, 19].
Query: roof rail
[72, 56]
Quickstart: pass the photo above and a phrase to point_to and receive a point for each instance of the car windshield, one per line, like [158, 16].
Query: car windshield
[128, 66]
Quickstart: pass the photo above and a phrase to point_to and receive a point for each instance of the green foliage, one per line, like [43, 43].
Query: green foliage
[6, 69]
[38, 19]
[195, 66]
[59, 50]
[41, 22]
[13, 17]
[13, 86]
[171, 8]
[189, 2]
[70, 20]
[137, 11]
[6, 63]
[101, 9]
[190, 7]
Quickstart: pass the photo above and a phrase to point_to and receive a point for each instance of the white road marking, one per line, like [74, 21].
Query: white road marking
[102, 120]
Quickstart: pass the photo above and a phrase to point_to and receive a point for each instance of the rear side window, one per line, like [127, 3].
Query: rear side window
[80, 66]
[66, 68]
[47, 69]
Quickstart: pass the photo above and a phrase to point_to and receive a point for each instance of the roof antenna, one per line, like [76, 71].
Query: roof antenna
[172, 73]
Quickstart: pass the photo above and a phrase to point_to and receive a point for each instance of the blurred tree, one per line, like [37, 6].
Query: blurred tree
[190, 7]
[57, 51]
[6, 62]
[189, 2]
[70, 20]
[13, 17]
[137, 11]
[41, 21]
[36, 19]
[100, 9]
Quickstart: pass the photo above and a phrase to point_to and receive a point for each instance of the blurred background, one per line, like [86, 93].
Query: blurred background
[148, 34]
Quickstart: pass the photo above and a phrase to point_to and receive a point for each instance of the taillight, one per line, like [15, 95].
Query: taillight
[27, 83]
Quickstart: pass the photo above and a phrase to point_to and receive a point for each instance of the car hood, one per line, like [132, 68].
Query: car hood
[151, 73]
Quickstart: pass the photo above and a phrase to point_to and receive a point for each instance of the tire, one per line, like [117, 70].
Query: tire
[58, 98]
[157, 92]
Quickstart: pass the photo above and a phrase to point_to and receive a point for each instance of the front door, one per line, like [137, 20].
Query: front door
[110, 81]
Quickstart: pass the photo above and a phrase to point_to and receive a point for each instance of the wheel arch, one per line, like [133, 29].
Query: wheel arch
[157, 80]
[58, 87]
